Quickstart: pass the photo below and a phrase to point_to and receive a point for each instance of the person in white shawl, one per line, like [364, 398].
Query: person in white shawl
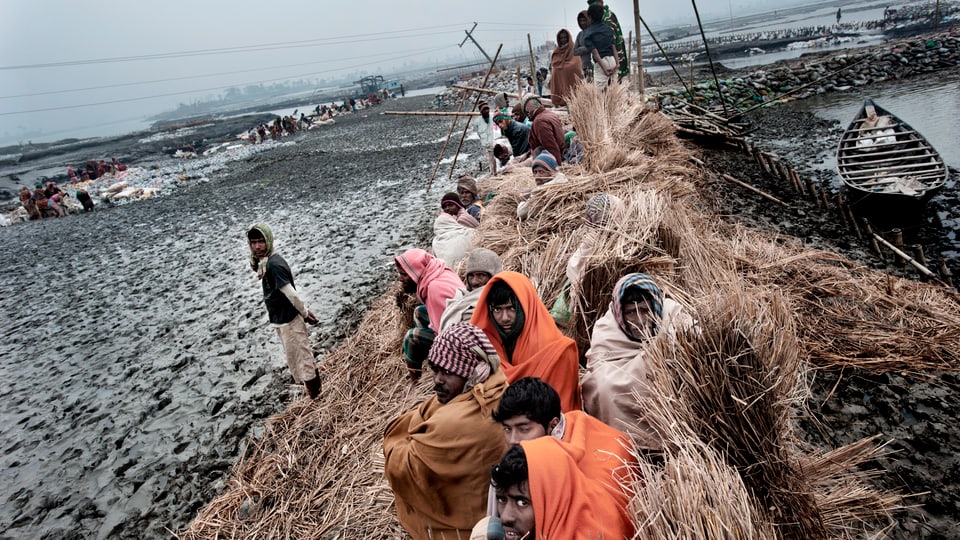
[482, 265]
[453, 230]
[616, 365]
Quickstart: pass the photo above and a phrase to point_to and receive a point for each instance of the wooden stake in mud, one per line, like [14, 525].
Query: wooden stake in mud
[853, 221]
[874, 245]
[533, 64]
[814, 192]
[898, 243]
[767, 196]
[945, 273]
[636, 25]
[466, 128]
[824, 199]
[798, 182]
[918, 254]
[840, 210]
[519, 83]
[443, 149]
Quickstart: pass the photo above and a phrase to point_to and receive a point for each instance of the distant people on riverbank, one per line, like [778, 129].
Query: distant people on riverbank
[599, 39]
[566, 70]
[285, 308]
[579, 49]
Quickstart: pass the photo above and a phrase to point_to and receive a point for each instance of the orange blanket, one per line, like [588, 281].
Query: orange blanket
[566, 502]
[607, 459]
[541, 350]
[438, 459]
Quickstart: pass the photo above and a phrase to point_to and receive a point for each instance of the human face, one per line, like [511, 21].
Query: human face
[516, 512]
[639, 317]
[541, 176]
[409, 285]
[529, 108]
[503, 124]
[446, 384]
[522, 428]
[258, 246]
[451, 209]
[505, 315]
[466, 197]
[563, 39]
[583, 21]
[475, 280]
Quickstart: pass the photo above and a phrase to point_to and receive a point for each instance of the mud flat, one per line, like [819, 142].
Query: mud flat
[137, 354]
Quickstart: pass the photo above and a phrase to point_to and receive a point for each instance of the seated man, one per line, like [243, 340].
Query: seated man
[482, 264]
[453, 230]
[437, 456]
[434, 283]
[526, 338]
[530, 409]
[544, 174]
[469, 194]
[616, 368]
[542, 493]
[516, 132]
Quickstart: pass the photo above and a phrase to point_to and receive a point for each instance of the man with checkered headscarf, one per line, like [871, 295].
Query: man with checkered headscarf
[437, 455]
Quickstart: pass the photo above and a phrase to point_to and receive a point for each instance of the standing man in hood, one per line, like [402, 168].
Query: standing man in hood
[285, 308]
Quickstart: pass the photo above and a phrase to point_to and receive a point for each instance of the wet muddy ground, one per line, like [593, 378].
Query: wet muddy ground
[918, 415]
[137, 353]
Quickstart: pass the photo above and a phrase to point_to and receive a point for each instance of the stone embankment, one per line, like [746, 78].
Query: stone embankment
[803, 77]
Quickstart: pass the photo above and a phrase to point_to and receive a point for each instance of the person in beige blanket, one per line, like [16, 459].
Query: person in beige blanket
[616, 364]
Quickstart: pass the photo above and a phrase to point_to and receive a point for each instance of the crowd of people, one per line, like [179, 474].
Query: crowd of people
[48, 199]
[513, 442]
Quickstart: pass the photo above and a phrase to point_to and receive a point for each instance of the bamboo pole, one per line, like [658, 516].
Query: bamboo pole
[946, 274]
[483, 90]
[874, 245]
[636, 27]
[519, 83]
[706, 47]
[838, 200]
[825, 199]
[443, 149]
[918, 254]
[475, 103]
[430, 113]
[533, 64]
[899, 253]
[665, 55]
[755, 190]
[898, 243]
[853, 221]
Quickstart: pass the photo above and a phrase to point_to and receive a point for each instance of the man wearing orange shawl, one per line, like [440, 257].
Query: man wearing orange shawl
[437, 457]
[530, 409]
[543, 493]
[565, 69]
[529, 343]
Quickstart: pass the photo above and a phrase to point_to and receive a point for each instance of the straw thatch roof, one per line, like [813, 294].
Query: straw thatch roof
[724, 394]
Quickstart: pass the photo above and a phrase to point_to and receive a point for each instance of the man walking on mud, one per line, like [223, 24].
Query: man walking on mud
[285, 308]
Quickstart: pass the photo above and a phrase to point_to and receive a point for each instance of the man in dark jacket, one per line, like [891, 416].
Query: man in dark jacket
[285, 308]
[546, 132]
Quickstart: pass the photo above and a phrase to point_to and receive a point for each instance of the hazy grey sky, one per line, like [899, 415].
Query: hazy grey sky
[310, 40]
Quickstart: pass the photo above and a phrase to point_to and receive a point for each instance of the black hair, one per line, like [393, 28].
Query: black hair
[530, 397]
[595, 11]
[499, 150]
[255, 233]
[512, 469]
[501, 293]
[451, 196]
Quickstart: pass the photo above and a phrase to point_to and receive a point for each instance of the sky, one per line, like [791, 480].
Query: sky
[79, 68]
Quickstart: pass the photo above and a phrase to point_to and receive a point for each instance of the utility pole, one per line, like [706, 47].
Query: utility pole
[470, 37]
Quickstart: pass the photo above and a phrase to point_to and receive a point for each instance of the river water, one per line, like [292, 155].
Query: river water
[136, 350]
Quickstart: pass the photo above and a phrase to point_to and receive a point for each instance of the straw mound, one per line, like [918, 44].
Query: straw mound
[724, 394]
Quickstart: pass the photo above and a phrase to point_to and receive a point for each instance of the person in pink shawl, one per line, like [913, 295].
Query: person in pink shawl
[434, 283]
[615, 381]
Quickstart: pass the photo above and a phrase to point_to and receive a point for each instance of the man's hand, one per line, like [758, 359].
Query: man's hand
[311, 318]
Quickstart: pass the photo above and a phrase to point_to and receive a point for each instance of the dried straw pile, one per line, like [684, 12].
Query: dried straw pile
[724, 392]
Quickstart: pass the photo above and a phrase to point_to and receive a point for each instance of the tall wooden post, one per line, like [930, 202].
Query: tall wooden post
[533, 64]
[636, 24]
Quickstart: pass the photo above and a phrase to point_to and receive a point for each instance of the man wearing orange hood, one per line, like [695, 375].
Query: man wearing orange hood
[529, 343]
[542, 493]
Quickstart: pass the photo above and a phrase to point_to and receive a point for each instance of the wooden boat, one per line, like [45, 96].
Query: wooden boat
[881, 158]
